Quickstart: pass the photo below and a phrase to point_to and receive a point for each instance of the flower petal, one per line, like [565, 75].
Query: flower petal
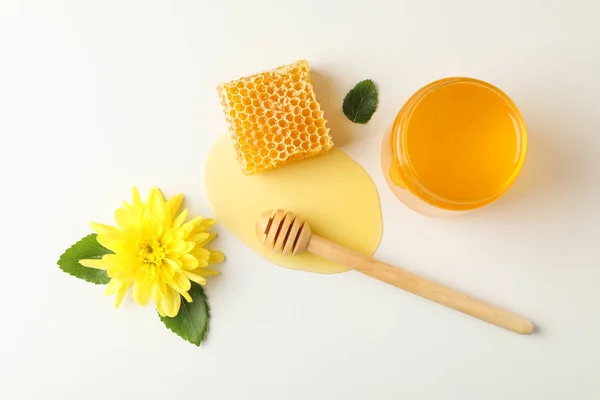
[200, 237]
[203, 255]
[119, 287]
[199, 279]
[171, 302]
[137, 200]
[98, 264]
[205, 272]
[180, 283]
[177, 222]
[187, 297]
[142, 293]
[156, 218]
[176, 246]
[207, 223]
[174, 203]
[188, 261]
[189, 226]
[110, 232]
[121, 294]
[216, 256]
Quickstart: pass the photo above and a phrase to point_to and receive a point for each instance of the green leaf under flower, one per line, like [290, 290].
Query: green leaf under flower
[191, 323]
[86, 248]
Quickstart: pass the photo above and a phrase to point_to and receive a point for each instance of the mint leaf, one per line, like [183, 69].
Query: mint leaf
[361, 102]
[191, 323]
[86, 248]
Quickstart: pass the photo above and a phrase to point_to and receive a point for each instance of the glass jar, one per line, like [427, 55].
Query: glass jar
[457, 145]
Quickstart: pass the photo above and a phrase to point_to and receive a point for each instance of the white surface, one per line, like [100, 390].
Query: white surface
[96, 96]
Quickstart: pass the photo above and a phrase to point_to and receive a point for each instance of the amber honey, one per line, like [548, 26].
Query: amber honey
[457, 144]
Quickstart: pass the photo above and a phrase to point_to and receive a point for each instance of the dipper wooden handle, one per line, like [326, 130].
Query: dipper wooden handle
[285, 233]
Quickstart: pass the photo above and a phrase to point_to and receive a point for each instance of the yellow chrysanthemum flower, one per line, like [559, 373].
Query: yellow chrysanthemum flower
[155, 251]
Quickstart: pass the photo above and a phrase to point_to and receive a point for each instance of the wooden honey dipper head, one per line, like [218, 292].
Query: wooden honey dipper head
[283, 232]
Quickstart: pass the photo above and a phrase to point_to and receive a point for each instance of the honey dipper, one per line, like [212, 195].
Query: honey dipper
[285, 233]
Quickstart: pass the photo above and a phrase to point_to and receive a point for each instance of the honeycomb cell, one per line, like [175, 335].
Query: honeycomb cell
[278, 112]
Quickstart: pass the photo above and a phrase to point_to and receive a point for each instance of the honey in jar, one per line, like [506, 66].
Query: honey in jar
[457, 144]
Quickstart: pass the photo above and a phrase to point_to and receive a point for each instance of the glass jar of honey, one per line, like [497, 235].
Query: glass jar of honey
[456, 145]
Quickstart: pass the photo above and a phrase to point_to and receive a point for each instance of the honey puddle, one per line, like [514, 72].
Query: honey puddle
[331, 192]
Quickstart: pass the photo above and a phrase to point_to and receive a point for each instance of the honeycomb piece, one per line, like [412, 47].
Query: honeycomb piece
[274, 118]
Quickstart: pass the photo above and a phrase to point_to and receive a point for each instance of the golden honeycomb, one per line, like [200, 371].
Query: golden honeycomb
[274, 118]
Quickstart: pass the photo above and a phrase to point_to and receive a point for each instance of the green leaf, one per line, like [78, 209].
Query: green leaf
[86, 248]
[191, 323]
[361, 102]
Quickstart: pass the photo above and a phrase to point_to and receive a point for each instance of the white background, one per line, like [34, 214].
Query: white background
[96, 96]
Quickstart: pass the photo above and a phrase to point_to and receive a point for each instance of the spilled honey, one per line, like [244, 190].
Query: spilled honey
[331, 192]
